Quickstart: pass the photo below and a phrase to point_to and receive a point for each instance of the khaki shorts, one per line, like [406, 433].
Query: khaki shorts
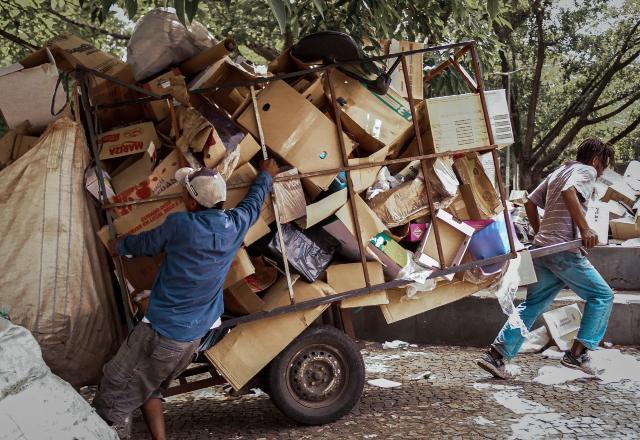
[145, 364]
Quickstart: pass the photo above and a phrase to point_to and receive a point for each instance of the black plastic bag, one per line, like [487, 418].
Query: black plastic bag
[309, 252]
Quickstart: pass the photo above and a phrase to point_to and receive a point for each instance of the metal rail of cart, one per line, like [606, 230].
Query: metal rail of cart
[455, 53]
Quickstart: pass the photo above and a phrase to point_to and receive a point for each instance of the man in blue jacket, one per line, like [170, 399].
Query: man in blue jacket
[186, 298]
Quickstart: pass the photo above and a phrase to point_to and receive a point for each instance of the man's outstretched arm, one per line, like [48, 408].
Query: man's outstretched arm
[148, 243]
[248, 210]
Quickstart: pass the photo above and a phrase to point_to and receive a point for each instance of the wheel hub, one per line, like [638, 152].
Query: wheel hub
[316, 375]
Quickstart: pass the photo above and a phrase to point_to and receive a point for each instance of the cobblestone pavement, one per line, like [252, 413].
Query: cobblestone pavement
[457, 400]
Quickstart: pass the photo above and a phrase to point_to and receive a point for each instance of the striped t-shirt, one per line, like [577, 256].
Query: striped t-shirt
[556, 225]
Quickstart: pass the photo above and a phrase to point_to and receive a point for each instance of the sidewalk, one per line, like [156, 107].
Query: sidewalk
[459, 400]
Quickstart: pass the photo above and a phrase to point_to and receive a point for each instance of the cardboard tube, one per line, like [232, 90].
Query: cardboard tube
[208, 56]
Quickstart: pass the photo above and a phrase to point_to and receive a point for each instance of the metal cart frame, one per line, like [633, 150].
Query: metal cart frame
[456, 53]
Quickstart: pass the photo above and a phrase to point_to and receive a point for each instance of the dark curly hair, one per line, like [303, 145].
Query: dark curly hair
[593, 147]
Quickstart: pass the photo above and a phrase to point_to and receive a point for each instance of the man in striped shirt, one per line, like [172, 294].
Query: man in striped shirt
[563, 195]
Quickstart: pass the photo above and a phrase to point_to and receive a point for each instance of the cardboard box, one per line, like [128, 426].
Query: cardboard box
[364, 178]
[479, 195]
[207, 57]
[241, 300]
[136, 172]
[598, 220]
[621, 192]
[243, 175]
[169, 83]
[563, 324]
[249, 347]
[241, 267]
[616, 210]
[91, 183]
[518, 197]
[224, 71]
[346, 277]
[457, 122]
[27, 94]
[71, 51]
[390, 248]
[444, 293]
[125, 141]
[146, 216]
[455, 237]
[343, 230]
[161, 178]
[297, 132]
[384, 118]
[415, 65]
[290, 197]
[632, 175]
[141, 272]
[625, 228]
[248, 146]
[321, 210]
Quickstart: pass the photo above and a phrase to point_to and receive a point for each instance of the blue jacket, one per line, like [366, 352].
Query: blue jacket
[186, 297]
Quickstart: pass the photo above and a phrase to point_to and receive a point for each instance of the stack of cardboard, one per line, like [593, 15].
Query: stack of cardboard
[616, 213]
[142, 145]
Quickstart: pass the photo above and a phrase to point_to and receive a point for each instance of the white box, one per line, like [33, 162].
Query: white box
[457, 122]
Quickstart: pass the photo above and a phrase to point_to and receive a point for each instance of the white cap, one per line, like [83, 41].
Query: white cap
[205, 185]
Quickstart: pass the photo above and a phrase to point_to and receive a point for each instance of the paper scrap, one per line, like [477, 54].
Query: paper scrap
[384, 383]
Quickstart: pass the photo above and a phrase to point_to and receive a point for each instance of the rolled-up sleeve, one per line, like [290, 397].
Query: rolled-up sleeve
[539, 195]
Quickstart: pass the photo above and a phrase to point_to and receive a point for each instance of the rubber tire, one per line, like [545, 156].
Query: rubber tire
[277, 377]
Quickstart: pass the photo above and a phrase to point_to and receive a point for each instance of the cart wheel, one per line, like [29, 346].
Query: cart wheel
[318, 378]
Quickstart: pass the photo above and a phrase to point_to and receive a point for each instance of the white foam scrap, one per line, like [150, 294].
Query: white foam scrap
[383, 383]
[493, 386]
[614, 366]
[512, 369]
[512, 401]
[572, 388]
[479, 420]
[383, 357]
[423, 375]
[395, 344]
[257, 392]
[375, 367]
[553, 353]
[535, 426]
[557, 374]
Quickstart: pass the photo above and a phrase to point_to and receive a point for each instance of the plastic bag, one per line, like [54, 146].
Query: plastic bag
[418, 274]
[309, 252]
[505, 290]
[160, 40]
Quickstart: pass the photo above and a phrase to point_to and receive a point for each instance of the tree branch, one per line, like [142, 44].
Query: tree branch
[612, 113]
[265, 52]
[535, 82]
[17, 40]
[116, 35]
[611, 102]
[627, 131]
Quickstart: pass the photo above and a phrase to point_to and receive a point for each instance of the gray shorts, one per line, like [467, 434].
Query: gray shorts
[145, 364]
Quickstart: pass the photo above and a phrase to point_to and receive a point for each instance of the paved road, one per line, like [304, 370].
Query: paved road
[458, 400]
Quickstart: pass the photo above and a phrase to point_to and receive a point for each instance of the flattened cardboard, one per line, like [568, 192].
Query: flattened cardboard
[598, 219]
[125, 141]
[23, 144]
[146, 216]
[297, 132]
[221, 72]
[365, 177]
[625, 228]
[479, 195]
[321, 210]
[346, 277]
[563, 324]
[241, 267]
[162, 177]
[415, 66]
[246, 174]
[290, 196]
[141, 272]
[169, 83]
[621, 192]
[249, 347]
[135, 173]
[385, 118]
[27, 95]
[455, 237]
[241, 300]
[444, 293]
